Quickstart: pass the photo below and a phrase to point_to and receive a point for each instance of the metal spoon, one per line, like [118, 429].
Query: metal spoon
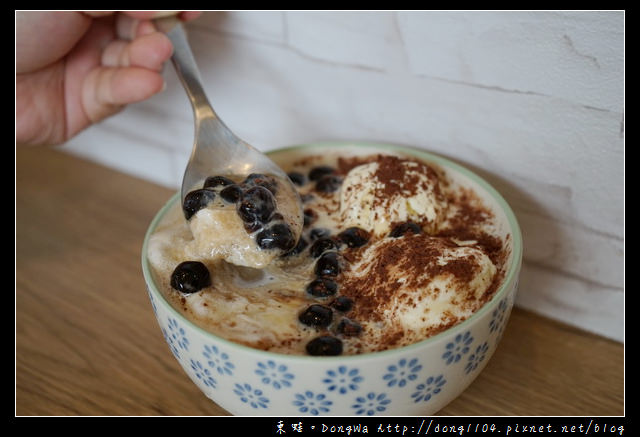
[217, 150]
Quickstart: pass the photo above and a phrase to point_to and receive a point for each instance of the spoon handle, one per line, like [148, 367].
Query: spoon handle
[186, 67]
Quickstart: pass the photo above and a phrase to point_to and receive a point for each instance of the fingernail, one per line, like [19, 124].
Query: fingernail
[159, 14]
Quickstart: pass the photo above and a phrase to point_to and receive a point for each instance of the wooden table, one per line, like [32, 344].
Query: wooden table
[87, 342]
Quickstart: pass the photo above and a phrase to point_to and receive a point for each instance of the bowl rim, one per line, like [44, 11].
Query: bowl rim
[510, 276]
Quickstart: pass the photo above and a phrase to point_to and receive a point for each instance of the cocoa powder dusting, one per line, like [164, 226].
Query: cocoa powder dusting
[396, 176]
[414, 258]
[417, 256]
[467, 225]
[346, 164]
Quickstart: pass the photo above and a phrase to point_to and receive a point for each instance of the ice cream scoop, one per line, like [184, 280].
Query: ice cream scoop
[376, 195]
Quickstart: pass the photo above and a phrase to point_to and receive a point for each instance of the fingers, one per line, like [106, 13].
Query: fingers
[138, 15]
[189, 15]
[148, 51]
[150, 15]
[107, 89]
[97, 14]
[44, 37]
[130, 68]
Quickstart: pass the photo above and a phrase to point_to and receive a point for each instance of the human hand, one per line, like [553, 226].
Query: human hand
[74, 69]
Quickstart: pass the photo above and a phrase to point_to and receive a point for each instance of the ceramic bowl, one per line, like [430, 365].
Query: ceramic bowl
[419, 379]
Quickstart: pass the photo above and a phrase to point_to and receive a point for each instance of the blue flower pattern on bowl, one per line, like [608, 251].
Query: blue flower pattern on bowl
[477, 357]
[431, 387]
[339, 380]
[251, 396]
[457, 348]
[218, 360]
[275, 375]
[153, 303]
[371, 404]
[399, 374]
[308, 402]
[498, 317]
[343, 379]
[203, 374]
[175, 337]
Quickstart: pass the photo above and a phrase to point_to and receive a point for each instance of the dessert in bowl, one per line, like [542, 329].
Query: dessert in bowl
[391, 303]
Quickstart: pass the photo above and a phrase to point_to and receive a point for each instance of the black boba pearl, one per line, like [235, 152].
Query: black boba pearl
[309, 216]
[321, 245]
[297, 178]
[301, 246]
[252, 227]
[354, 237]
[319, 316]
[324, 346]
[322, 287]
[231, 193]
[257, 205]
[306, 197]
[190, 277]
[261, 180]
[214, 181]
[195, 200]
[328, 184]
[342, 304]
[317, 233]
[322, 170]
[403, 228]
[349, 328]
[327, 265]
[278, 236]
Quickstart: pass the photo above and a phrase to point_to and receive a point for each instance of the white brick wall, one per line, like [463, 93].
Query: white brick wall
[533, 101]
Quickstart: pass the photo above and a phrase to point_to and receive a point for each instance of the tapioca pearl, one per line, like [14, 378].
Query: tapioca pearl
[317, 233]
[195, 200]
[343, 304]
[262, 180]
[322, 245]
[298, 249]
[325, 345]
[257, 205]
[349, 328]
[404, 228]
[215, 181]
[231, 193]
[328, 184]
[253, 227]
[277, 236]
[297, 178]
[322, 287]
[309, 216]
[354, 237]
[318, 172]
[318, 316]
[328, 265]
[306, 198]
[190, 277]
